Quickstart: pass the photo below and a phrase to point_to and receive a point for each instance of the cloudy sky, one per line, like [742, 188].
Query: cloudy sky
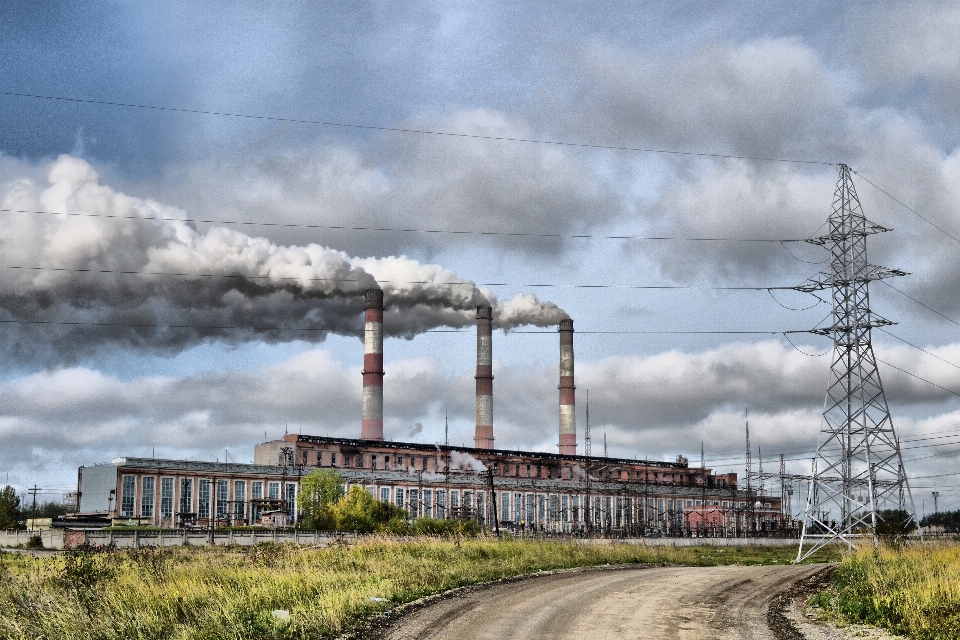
[238, 245]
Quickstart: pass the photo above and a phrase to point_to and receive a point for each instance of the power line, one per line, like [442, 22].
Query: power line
[919, 348]
[333, 227]
[150, 325]
[906, 295]
[425, 282]
[410, 130]
[910, 209]
[913, 375]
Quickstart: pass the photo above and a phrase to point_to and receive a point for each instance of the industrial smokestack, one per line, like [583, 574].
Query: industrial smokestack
[568, 415]
[372, 426]
[483, 436]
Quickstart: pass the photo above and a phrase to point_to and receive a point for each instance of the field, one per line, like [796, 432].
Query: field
[231, 593]
[913, 591]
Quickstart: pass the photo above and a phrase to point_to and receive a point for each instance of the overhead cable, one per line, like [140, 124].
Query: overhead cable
[334, 227]
[411, 130]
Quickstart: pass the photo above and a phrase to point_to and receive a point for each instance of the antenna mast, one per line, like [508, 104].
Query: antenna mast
[858, 450]
[746, 418]
[587, 448]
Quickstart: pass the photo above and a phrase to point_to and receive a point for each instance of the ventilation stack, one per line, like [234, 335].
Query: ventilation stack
[483, 436]
[568, 415]
[372, 426]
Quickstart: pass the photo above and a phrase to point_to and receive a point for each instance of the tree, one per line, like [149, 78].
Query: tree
[319, 491]
[359, 511]
[10, 514]
[894, 523]
[52, 510]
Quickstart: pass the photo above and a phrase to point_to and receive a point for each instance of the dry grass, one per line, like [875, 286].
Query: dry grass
[230, 593]
[913, 591]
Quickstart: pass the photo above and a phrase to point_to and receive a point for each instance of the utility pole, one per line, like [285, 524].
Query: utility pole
[858, 449]
[33, 511]
[604, 443]
[493, 501]
[936, 494]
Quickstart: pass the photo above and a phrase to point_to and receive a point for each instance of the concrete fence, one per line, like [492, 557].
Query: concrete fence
[51, 538]
[130, 539]
[71, 538]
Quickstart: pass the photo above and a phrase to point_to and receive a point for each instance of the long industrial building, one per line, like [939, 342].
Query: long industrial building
[560, 492]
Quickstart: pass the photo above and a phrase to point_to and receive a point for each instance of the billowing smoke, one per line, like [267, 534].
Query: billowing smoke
[131, 280]
[460, 461]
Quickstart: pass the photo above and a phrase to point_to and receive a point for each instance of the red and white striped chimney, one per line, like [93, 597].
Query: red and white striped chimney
[568, 414]
[483, 436]
[372, 426]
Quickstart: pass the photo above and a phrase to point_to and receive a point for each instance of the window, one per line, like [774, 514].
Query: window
[517, 507]
[504, 506]
[239, 499]
[386, 462]
[384, 494]
[414, 499]
[373, 462]
[689, 503]
[481, 505]
[256, 493]
[147, 497]
[454, 499]
[398, 494]
[291, 498]
[541, 508]
[726, 504]
[553, 508]
[222, 497]
[273, 490]
[467, 499]
[128, 496]
[441, 503]
[529, 515]
[186, 495]
[166, 497]
[203, 499]
[428, 502]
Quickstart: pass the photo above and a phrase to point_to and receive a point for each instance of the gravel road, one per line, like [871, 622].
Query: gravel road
[667, 603]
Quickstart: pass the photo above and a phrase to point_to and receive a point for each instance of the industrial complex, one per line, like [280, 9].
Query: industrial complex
[562, 492]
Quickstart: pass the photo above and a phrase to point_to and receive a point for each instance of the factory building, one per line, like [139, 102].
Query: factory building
[560, 492]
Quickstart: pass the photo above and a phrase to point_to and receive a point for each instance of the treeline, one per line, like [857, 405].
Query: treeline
[14, 514]
[324, 505]
[949, 520]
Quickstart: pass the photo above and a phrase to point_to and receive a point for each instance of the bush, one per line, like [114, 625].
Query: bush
[35, 542]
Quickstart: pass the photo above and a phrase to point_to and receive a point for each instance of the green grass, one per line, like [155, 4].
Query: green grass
[232, 593]
[914, 591]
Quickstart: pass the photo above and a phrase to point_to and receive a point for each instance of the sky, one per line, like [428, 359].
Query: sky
[236, 174]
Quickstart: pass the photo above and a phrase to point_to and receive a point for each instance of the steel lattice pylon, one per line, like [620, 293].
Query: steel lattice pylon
[858, 470]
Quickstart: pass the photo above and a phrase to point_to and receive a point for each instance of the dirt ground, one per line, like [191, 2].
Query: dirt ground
[669, 603]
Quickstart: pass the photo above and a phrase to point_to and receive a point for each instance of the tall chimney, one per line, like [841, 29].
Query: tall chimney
[568, 415]
[483, 436]
[372, 426]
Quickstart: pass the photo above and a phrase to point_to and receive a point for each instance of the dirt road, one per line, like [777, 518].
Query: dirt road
[674, 603]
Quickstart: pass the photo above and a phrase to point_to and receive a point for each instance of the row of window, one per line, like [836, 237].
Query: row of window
[540, 507]
[406, 463]
[213, 497]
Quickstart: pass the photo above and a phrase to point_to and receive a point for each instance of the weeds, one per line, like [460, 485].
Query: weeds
[232, 593]
[912, 590]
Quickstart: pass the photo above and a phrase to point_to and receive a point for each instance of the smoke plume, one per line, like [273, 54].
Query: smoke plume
[127, 279]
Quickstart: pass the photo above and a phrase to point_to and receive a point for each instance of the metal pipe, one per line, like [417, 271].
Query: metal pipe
[483, 436]
[372, 426]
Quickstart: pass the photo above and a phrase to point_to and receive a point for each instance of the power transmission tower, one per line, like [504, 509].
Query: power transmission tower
[858, 470]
